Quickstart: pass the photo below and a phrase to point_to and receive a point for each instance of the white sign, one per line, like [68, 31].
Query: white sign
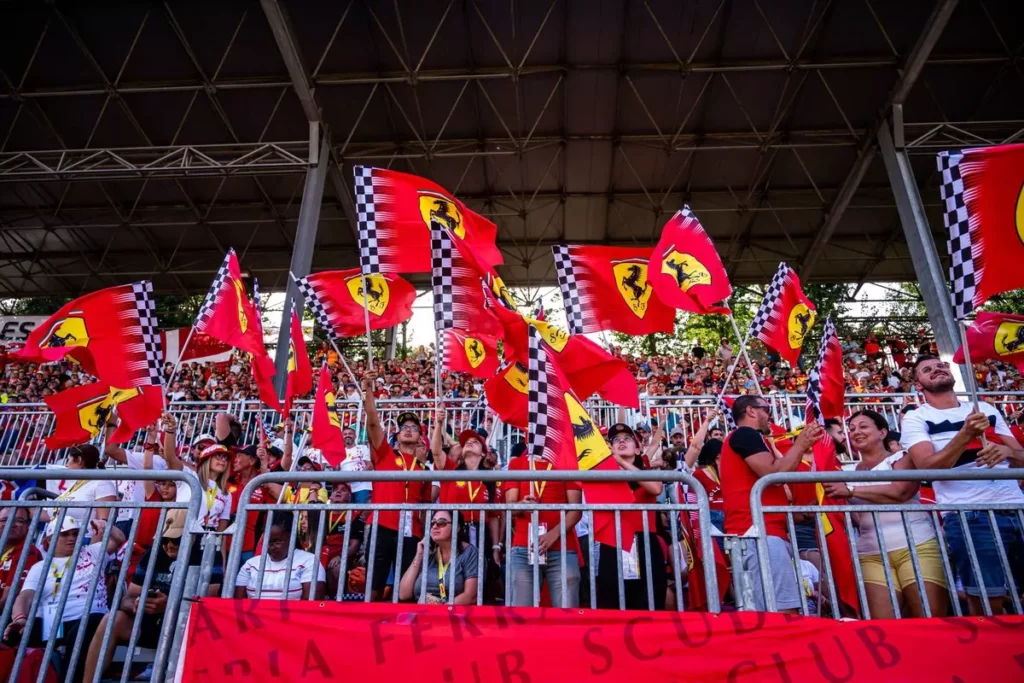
[16, 328]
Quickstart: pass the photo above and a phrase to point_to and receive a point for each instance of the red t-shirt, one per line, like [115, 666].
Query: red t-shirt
[546, 492]
[738, 480]
[709, 479]
[463, 492]
[385, 459]
[642, 496]
[259, 496]
[9, 562]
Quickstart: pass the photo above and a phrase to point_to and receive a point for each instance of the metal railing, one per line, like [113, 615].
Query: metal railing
[68, 515]
[506, 511]
[931, 520]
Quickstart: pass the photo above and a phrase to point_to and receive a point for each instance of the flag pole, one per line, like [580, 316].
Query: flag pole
[969, 378]
[181, 353]
[359, 404]
[743, 339]
[366, 319]
[295, 458]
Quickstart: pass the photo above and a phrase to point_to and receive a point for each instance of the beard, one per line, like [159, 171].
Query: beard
[938, 386]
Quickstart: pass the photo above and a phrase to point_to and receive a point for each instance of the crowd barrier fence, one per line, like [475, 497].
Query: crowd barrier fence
[930, 519]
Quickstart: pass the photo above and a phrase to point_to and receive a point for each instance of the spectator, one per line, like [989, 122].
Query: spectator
[357, 459]
[247, 464]
[707, 474]
[91, 560]
[462, 582]
[725, 352]
[334, 545]
[130, 489]
[85, 457]
[868, 430]
[282, 580]
[746, 457]
[20, 519]
[944, 433]
[698, 351]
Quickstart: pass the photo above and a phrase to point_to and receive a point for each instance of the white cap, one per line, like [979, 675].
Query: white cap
[70, 524]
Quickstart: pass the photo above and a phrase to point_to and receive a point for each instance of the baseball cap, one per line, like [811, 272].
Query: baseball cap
[642, 427]
[69, 524]
[209, 438]
[213, 450]
[677, 430]
[620, 428]
[467, 434]
[408, 417]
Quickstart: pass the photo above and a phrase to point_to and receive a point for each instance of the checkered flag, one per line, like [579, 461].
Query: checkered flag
[537, 397]
[316, 307]
[570, 292]
[720, 404]
[145, 305]
[814, 384]
[442, 258]
[963, 273]
[769, 302]
[366, 216]
[257, 300]
[219, 281]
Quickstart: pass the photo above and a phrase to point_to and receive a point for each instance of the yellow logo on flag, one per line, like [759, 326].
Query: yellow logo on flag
[801, 320]
[93, 414]
[591, 448]
[631, 281]
[518, 378]
[240, 296]
[476, 353]
[826, 523]
[438, 208]
[1019, 214]
[332, 412]
[686, 270]
[291, 356]
[501, 291]
[67, 332]
[1009, 338]
[377, 294]
[555, 336]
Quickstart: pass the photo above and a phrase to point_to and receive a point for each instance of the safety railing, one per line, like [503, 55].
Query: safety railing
[907, 559]
[56, 600]
[521, 570]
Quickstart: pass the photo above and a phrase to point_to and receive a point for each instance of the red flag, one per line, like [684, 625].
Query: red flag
[227, 314]
[326, 424]
[201, 348]
[984, 214]
[81, 412]
[995, 336]
[459, 299]
[696, 584]
[826, 386]
[785, 316]
[686, 271]
[470, 352]
[261, 365]
[506, 394]
[336, 299]
[112, 333]
[300, 371]
[607, 288]
[397, 210]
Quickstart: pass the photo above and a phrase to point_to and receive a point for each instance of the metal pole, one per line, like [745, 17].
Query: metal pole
[746, 356]
[302, 252]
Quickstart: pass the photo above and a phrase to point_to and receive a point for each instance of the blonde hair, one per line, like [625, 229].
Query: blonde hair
[204, 475]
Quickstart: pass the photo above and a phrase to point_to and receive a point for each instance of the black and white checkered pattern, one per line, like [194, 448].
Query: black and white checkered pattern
[366, 216]
[768, 303]
[537, 396]
[146, 307]
[441, 259]
[257, 300]
[570, 292]
[730, 424]
[316, 307]
[219, 280]
[814, 377]
[963, 276]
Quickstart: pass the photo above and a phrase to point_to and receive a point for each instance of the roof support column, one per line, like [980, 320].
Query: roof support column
[930, 275]
[305, 239]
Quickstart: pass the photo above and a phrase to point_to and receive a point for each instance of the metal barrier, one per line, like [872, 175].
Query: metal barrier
[929, 519]
[505, 510]
[90, 594]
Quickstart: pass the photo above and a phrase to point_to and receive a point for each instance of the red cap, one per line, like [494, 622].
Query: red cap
[467, 434]
[213, 450]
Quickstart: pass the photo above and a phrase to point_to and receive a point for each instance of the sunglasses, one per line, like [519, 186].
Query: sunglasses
[440, 523]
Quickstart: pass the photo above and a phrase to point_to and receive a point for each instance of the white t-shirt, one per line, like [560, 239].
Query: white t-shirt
[91, 561]
[80, 489]
[893, 533]
[216, 503]
[303, 566]
[357, 459]
[939, 426]
[133, 490]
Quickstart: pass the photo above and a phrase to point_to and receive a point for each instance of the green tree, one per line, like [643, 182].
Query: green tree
[38, 305]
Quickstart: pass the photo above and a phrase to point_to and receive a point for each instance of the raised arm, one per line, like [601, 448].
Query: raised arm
[374, 430]
[699, 437]
[169, 425]
[437, 439]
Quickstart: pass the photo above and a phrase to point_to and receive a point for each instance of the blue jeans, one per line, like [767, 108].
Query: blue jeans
[985, 547]
[361, 497]
[522, 578]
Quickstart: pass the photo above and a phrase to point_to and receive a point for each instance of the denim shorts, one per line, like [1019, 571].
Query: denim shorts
[984, 542]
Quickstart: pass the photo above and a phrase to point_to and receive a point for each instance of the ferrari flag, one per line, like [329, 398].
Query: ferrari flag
[112, 333]
[262, 365]
[396, 211]
[984, 214]
[785, 316]
[995, 336]
[227, 314]
[300, 371]
[337, 297]
[506, 394]
[470, 352]
[608, 288]
[686, 271]
[326, 424]
[826, 386]
[81, 412]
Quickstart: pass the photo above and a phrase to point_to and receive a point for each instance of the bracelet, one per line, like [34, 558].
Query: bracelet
[497, 546]
[169, 431]
[19, 617]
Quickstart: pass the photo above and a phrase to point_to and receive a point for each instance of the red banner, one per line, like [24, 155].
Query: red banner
[268, 640]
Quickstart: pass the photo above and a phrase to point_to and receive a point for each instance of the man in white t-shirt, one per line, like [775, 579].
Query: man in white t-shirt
[357, 459]
[944, 433]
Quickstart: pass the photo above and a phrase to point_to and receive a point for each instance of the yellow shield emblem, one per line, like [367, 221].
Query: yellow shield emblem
[377, 292]
[591, 449]
[1018, 214]
[240, 296]
[1009, 338]
[631, 280]
[291, 356]
[475, 351]
[555, 336]
[801, 320]
[67, 332]
[517, 377]
[93, 414]
[332, 412]
[501, 291]
[438, 208]
[686, 270]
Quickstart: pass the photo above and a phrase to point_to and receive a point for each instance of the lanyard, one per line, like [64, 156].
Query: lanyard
[539, 486]
[400, 459]
[210, 495]
[57, 577]
[442, 569]
[713, 474]
[334, 523]
[472, 493]
[67, 494]
[6, 556]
